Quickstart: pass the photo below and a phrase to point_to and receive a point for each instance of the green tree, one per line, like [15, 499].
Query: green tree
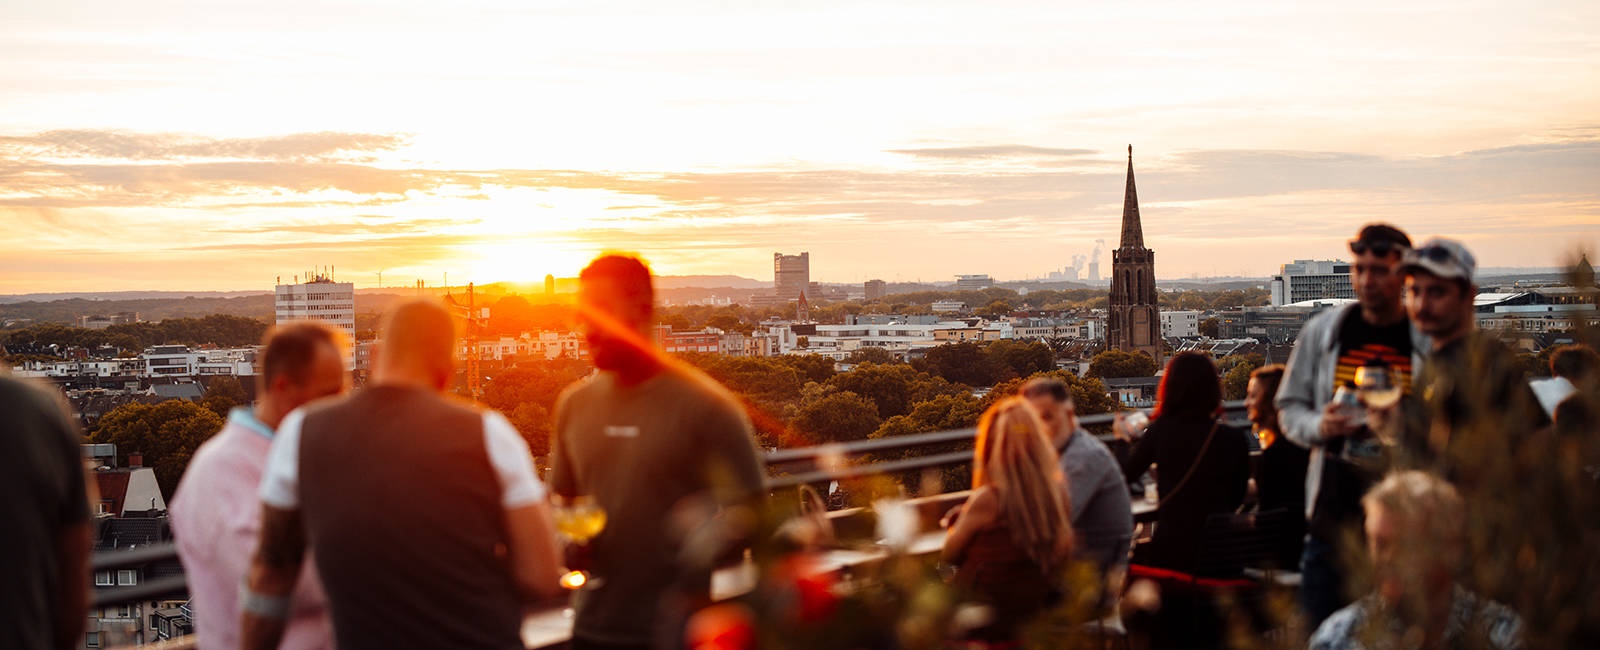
[941, 413]
[533, 420]
[810, 366]
[837, 416]
[167, 434]
[729, 323]
[1089, 395]
[222, 394]
[870, 355]
[1210, 327]
[1116, 363]
[527, 395]
[1021, 358]
[994, 309]
[894, 388]
[1236, 371]
[770, 384]
[963, 363]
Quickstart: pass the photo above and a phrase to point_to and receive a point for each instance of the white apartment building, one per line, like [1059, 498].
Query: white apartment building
[546, 345]
[1311, 279]
[946, 306]
[180, 361]
[320, 299]
[169, 361]
[1180, 324]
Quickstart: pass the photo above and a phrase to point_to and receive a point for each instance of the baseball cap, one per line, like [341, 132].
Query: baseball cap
[1445, 258]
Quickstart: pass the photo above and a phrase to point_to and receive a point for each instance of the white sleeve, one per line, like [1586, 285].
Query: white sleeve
[280, 481]
[512, 461]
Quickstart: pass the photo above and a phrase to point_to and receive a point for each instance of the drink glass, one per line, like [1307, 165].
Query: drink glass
[1379, 388]
[578, 519]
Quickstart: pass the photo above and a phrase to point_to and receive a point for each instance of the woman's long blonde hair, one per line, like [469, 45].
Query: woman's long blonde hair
[1013, 456]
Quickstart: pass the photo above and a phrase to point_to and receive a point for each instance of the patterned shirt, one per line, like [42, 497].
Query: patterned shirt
[1475, 622]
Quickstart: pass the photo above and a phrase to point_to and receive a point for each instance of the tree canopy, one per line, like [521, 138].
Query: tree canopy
[167, 434]
[527, 394]
[1116, 363]
[1236, 371]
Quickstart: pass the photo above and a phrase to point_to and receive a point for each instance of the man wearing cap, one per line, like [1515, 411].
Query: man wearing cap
[1471, 387]
[1329, 349]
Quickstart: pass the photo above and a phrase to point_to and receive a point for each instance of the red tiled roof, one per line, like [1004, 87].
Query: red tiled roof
[113, 485]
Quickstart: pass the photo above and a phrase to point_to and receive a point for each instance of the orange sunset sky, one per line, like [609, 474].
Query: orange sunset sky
[216, 146]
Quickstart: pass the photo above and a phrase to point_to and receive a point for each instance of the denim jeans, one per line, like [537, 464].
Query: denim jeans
[1321, 581]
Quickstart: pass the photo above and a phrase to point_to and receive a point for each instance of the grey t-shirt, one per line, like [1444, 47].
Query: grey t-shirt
[1102, 515]
[41, 474]
[639, 451]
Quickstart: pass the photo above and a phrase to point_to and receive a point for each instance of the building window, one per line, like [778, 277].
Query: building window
[127, 577]
[123, 611]
[102, 508]
[102, 578]
[92, 640]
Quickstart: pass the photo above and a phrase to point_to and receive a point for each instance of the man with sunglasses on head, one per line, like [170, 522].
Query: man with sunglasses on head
[1472, 385]
[1327, 353]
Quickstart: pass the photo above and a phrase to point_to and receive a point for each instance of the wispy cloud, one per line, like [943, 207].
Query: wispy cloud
[1521, 201]
[993, 151]
[124, 145]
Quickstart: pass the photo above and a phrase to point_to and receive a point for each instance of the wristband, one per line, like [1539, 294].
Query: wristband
[262, 605]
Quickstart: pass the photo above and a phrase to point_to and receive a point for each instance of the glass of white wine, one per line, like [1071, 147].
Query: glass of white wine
[578, 520]
[1379, 389]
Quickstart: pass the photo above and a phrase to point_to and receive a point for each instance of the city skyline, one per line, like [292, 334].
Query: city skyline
[141, 151]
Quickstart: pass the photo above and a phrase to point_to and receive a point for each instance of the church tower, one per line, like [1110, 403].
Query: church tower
[1135, 323]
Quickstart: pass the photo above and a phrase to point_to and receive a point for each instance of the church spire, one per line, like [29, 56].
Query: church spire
[1132, 232]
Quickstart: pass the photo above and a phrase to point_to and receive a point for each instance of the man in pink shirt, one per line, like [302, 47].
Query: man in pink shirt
[216, 514]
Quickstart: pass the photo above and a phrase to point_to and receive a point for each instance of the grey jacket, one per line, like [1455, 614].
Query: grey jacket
[1308, 386]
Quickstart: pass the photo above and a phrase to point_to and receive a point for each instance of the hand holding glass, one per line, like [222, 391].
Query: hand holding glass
[578, 520]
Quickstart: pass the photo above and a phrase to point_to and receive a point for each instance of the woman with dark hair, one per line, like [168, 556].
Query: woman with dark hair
[1203, 464]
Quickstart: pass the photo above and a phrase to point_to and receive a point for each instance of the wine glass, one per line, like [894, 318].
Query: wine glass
[578, 519]
[1378, 388]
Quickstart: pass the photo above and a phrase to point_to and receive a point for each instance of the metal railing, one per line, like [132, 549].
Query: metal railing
[829, 462]
[815, 457]
[153, 589]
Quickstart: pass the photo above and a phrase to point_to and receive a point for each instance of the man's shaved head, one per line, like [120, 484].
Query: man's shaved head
[419, 335]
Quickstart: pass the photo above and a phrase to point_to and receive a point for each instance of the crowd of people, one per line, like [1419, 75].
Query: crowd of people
[400, 516]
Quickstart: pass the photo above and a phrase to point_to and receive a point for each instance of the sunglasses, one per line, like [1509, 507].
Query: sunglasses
[1436, 254]
[1379, 247]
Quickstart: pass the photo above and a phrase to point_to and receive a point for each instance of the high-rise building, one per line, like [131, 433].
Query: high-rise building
[973, 282]
[319, 299]
[1303, 280]
[549, 285]
[791, 275]
[876, 289]
[1135, 321]
[1094, 271]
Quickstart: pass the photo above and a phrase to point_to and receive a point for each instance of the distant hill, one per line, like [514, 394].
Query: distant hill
[710, 282]
[123, 295]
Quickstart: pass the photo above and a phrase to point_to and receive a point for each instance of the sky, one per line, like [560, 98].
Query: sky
[222, 146]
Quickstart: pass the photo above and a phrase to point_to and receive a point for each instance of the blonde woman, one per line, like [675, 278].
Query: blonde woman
[1012, 538]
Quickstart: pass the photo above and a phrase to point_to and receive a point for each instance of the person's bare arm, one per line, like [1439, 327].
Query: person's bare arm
[72, 555]
[272, 577]
[531, 547]
[978, 513]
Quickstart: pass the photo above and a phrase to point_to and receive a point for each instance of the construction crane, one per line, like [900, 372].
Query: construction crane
[473, 318]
